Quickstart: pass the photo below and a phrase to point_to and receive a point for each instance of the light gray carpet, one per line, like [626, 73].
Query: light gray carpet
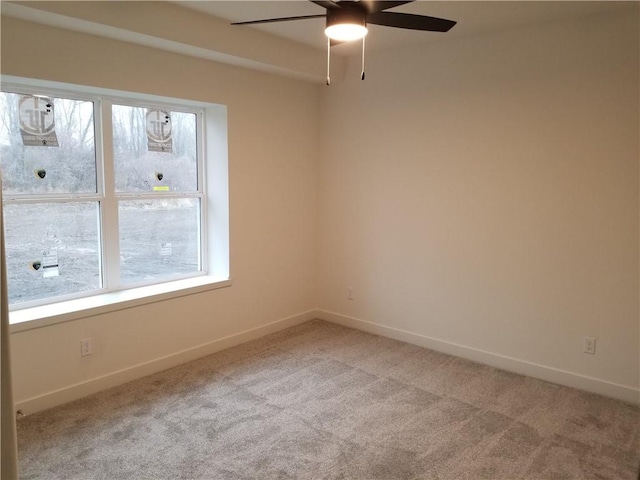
[320, 401]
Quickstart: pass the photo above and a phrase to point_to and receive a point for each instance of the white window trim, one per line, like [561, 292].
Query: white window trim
[215, 220]
[60, 312]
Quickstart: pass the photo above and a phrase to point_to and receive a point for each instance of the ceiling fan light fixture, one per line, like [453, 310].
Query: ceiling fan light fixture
[347, 21]
[346, 32]
[346, 25]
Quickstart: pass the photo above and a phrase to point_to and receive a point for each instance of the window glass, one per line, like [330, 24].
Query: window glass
[159, 238]
[52, 249]
[73, 232]
[155, 150]
[47, 145]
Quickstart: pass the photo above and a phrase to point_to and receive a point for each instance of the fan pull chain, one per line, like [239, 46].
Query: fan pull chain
[362, 74]
[328, 61]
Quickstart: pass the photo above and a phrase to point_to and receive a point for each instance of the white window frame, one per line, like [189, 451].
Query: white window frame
[212, 192]
[111, 273]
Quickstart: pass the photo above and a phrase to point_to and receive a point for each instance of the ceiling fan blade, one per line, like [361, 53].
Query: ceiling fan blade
[374, 6]
[410, 21]
[282, 19]
[328, 4]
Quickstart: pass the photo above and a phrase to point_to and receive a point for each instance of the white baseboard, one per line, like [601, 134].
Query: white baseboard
[550, 374]
[94, 385]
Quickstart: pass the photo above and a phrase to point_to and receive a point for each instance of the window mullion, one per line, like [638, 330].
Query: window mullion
[109, 205]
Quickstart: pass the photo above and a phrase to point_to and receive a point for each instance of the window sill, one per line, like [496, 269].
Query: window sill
[45, 315]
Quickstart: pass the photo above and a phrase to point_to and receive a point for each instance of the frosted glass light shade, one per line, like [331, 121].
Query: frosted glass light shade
[346, 32]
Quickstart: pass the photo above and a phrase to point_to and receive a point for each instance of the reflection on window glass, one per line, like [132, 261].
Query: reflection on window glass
[159, 239]
[53, 249]
[69, 167]
[154, 150]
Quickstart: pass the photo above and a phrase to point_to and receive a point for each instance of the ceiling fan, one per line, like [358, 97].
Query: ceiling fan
[347, 20]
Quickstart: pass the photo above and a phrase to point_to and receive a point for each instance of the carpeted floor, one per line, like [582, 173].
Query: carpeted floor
[320, 401]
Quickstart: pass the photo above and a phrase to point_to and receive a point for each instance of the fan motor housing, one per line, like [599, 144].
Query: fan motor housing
[346, 15]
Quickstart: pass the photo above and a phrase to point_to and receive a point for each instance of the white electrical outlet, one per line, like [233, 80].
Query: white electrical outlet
[86, 347]
[589, 345]
[350, 293]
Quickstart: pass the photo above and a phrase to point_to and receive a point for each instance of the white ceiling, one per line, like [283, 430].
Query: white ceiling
[473, 17]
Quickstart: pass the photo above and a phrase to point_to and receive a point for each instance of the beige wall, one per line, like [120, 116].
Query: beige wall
[484, 192]
[273, 140]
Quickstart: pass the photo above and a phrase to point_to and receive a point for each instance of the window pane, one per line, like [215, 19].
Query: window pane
[154, 151]
[159, 238]
[69, 167]
[53, 249]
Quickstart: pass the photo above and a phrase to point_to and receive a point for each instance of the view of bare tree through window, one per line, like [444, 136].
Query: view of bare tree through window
[69, 168]
[137, 167]
[159, 236]
[53, 204]
[53, 248]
